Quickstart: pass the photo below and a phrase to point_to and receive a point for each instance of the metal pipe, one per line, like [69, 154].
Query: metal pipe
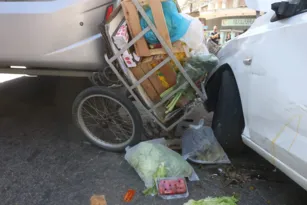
[179, 120]
[167, 49]
[166, 60]
[168, 96]
[128, 45]
[132, 92]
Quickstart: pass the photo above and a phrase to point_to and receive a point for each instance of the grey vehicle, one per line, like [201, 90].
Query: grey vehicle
[61, 36]
[73, 38]
[64, 38]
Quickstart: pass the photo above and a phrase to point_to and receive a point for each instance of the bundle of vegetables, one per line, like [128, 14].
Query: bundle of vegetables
[196, 67]
[152, 161]
[214, 201]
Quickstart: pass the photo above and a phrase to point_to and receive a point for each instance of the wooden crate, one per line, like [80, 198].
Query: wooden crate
[133, 22]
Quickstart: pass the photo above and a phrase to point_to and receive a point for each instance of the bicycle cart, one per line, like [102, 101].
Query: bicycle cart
[112, 119]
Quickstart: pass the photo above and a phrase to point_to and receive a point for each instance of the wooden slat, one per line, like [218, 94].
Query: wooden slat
[158, 15]
[133, 21]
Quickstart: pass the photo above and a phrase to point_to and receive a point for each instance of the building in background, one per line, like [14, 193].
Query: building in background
[230, 16]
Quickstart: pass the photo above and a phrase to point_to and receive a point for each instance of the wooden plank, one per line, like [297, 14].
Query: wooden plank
[133, 22]
[146, 84]
[158, 15]
[147, 65]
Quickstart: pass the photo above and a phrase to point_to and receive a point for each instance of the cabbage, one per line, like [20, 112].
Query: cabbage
[146, 158]
[214, 201]
[160, 173]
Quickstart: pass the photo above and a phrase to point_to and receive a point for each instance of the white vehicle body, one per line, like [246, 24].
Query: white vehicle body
[269, 63]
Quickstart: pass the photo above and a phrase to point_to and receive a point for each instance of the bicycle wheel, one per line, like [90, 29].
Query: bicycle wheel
[107, 119]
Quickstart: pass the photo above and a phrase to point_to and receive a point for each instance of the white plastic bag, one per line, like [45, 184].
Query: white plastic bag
[194, 37]
[200, 146]
[146, 157]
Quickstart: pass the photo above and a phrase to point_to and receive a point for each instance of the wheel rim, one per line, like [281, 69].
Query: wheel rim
[106, 121]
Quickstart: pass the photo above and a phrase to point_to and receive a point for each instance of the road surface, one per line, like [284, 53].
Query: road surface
[45, 160]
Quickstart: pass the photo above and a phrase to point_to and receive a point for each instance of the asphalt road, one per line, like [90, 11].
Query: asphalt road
[45, 160]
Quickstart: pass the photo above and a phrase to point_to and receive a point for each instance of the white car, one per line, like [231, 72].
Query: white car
[258, 91]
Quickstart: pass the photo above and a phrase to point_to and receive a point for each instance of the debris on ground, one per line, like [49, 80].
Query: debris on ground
[98, 200]
[214, 201]
[173, 144]
[129, 195]
[152, 161]
[200, 146]
[172, 188]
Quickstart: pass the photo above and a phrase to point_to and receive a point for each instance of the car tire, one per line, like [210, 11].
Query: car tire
[228, 120]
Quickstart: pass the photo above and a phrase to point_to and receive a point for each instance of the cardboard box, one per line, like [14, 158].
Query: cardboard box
[164, 78]
[159, 81]
[146, 84]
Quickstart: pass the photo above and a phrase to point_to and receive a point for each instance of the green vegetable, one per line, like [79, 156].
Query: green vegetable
[165, 93]
[160, 173]
[214, 201]
[172, 104]
[197, 66]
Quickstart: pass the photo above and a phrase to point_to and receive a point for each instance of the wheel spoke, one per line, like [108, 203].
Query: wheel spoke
[101, 115]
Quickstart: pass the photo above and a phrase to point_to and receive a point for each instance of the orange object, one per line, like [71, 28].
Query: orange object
[129, 195]
[98, 200]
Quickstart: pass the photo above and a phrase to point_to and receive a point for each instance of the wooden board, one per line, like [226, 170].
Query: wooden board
[147, 85]
[133, 21]
[158, 15]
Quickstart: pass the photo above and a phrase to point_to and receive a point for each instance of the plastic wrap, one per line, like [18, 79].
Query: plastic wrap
[147, 157]
[170, 185]
[177, 25]
[197, 66]
[194, 37]
[200, 146]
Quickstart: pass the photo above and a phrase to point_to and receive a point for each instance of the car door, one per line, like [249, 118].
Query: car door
[275, 99]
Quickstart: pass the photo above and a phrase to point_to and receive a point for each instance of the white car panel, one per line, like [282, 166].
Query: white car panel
[271, 89]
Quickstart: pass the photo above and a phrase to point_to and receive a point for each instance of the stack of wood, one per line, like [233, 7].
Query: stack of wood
[165, 77]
